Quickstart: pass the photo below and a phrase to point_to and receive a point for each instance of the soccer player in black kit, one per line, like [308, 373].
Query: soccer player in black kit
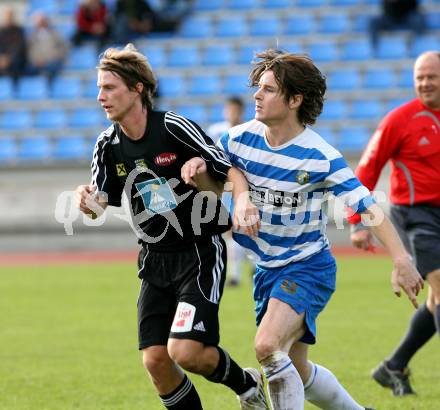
[182, 262]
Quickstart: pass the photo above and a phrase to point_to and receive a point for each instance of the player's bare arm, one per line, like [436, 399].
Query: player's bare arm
[404, 275]
[195, 173]
[88, 201]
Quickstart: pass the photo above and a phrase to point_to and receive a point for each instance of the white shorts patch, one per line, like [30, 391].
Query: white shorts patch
[184, 318]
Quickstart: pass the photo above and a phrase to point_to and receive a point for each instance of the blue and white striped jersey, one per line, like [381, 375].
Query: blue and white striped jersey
[290, 185]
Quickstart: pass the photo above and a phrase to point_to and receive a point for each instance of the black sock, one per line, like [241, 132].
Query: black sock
[231, 374]
[421, 329]
[437, 318]
[184, 397]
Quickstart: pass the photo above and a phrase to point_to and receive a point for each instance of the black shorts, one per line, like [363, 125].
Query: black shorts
[181, 292]
[419, 228]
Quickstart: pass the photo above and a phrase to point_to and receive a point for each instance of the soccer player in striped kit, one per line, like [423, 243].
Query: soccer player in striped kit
[290, 170]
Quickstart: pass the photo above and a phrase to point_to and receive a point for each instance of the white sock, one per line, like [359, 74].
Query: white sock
[286, 390]
[324, 391]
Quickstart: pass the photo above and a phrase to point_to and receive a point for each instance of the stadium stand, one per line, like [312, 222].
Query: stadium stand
[208, 58]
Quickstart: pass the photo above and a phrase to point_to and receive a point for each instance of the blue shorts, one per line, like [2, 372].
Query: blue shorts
[306, 286]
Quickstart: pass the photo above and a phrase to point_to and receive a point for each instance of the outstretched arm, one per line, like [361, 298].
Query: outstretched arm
[404, 275]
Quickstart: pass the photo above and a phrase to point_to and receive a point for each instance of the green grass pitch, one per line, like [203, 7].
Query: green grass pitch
[68, 339]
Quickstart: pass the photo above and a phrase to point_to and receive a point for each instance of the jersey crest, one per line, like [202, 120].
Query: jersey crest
[157, 195]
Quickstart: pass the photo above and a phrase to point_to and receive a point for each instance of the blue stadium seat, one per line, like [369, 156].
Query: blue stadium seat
[231, 26]
[344, 3]
[156, 55]
[433, 20]
[194, 112]
[82, 58]
[49, 7]
[8, 149]
[392, 48]
[357, 50]
[67, 88]
[204, 84]
[236, 84]
[275, 4]
[34, 148]
[50, 119]
[353, 139]
[215, 113]
[395, 102]
[300, 24]
[423, 43]
[311, 3]
[334, 23]
[267, 25]
[196, 26]
[203, 5]
[241, 4]
[246, 53]
[6, 88]
[327, 133]
[381, 78]
[324, 51]
[66, 28]
[184, 56]
[366, 109]
[69, 7]
[344, 79]
[334, 110]
[406, 78]
[172, 85]
[292, 46]
[32, 88]
[71, 148]
[16, 120]
[361, 22]
[86, 117]
[218, 54]
[90, 89]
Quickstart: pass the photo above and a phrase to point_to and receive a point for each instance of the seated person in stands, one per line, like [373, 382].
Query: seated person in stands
[92, 23]
[397, 15]
[46, 48]
[12, 45]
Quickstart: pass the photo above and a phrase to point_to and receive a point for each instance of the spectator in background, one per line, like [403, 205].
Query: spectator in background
[397, 15]
[92, 20]
[233, 115]
[137, 18]
[46, 48]
[12, 45]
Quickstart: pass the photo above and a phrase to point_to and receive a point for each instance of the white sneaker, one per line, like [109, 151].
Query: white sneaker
[257, 399]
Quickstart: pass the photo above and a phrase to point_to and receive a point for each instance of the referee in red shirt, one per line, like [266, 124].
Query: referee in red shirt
[409, 137]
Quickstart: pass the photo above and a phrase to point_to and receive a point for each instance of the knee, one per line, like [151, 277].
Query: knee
[264, 347]
[156, 360]
[185, 357]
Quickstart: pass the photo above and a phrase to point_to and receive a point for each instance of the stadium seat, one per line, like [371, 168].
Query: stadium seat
[8, 149]
[90, 89]
[184, 56]
[66, 28]
[49, 7]
[311, 3]
[85, 117]
[361, 22]
[50, 119]
[196, 26]
[395, 102]
[218, 54]
[68, 88]
[406, 78]
[382, 78]
[68, 7]
[366, 109]
[32, 88]
[246, 53]
[34, 148]
[16, 120]
[433, 20]
[172, 85]
[6, 88]
[215, 113]
[267, 25]
[353, 139]
[203, 5]
[334, 23]
[275, 4]
[391, 48]
[204, 84]
[231, 26]
[292, 46]
[241, 4]
[194, 112]
[327, 133]
[71, 148]
[156, 55]
[236, 84]
[324, 51]
[82, 58]
[334, 110]
[423, 43]
[356, 50]
[300, 24]
[344, 79]
[344, 3]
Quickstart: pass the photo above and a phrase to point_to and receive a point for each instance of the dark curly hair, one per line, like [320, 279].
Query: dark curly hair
[295, 74]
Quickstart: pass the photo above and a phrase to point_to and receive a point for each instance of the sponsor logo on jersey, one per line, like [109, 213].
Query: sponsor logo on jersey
[165, 159]
[200, 327]
[288, 286]
[120, 170]
[276, 198]
[184, 318]
[157, 195]
[424, 141]
[302, 177]
[141, 165]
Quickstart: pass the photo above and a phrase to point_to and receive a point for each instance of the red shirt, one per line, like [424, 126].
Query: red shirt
[409, 136]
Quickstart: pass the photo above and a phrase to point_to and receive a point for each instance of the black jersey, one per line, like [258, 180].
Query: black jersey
[166, 212]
